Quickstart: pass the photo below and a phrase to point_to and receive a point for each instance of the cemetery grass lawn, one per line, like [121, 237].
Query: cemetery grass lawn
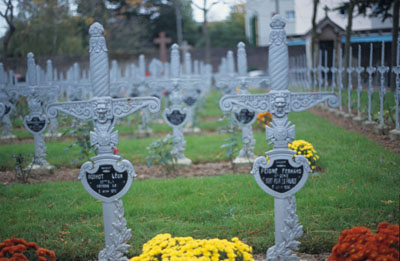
[357, 186]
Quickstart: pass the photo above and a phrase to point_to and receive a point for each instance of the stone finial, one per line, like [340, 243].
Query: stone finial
[188, 64]
[242, 59]
[49, 71]
[230, 62]
[175, 64]
[31, 71]
[142, 66]
[99, 70]
[2, 75]
[278, 55]
[278, 22]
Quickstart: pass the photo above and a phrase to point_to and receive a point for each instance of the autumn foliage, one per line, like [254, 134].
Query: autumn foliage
[359, 243]
[17, 249]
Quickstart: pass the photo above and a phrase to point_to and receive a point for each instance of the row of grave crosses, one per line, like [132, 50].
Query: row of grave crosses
[280, 174]
[300, 78]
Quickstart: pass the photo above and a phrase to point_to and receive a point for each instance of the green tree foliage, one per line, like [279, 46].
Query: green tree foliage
[45, 27]
[228, 33]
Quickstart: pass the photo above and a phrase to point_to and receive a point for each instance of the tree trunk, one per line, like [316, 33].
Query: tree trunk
[178, 21]
[395, 36]
[347, 44]
[314, 31]
[205, 34]
[6, 41]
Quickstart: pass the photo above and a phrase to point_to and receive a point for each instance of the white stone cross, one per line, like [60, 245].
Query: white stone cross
[333, 70]
[107, 177]
[370, 70]
[325, 69]
[271, 174]
[349, 70]
[8, 101]
[359, 69]
[382, 91]
[340, 78]
[36, 121]
[395, 133]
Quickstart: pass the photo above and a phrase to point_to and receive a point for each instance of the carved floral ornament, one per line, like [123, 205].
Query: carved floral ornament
[97, 41]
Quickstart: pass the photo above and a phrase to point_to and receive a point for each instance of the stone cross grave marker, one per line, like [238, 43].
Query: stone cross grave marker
[53, 123]
[36, 121]
[395, 133]
[370, 70]
[340, 71]
[320, 70]
[314, 71]
[175, 114]
[381, 128]
[359, 69]
[185, 47]
[107, 177]
[162, 41]
[280, 175]
[8, 100]
[325, 69]
[333, 70]
[349, 70]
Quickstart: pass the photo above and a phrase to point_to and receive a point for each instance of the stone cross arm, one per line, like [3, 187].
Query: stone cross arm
[295, 102]
[105, 107]
[2, 109]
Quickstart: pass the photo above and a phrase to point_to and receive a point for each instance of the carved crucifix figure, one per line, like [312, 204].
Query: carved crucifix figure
[272, 173]
[107, 177]
[163, 41]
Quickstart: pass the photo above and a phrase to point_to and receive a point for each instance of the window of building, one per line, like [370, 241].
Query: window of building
[290, 15]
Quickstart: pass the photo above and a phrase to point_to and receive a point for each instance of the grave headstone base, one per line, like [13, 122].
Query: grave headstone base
[39, 170]
[52, 135]
[368, 124]
[357, 120]
[191, 130]
[338, 113]
[381, 129]
[241, 162]
[394, 134]
[143, 133]
[184, 162]
[8, 137]
[331, 110]
[348, 116]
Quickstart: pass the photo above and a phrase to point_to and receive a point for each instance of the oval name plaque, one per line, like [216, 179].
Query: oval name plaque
[281, 176]
[109, 178]
[245, 116]
[35, 123]
[176, 117]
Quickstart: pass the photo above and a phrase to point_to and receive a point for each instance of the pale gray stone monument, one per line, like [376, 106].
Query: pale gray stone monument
[359, 69]
[53, 123]
[381, 128]
[175, 115]
[320, 70]
[107, 177]
[370, 70]
[280, 175]
[325, 69]
[36, 121]
[395, 133]
[349, 70]
[340, 71]
[314, 71]
[8, 100]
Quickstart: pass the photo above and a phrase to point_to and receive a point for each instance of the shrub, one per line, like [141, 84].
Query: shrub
[263, 118]
[166, 247]
[307, 150]
[359, 243]
[20, 250]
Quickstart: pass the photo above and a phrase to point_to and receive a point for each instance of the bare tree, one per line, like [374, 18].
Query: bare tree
[314, 30]
[8, 16]
[205, 9]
